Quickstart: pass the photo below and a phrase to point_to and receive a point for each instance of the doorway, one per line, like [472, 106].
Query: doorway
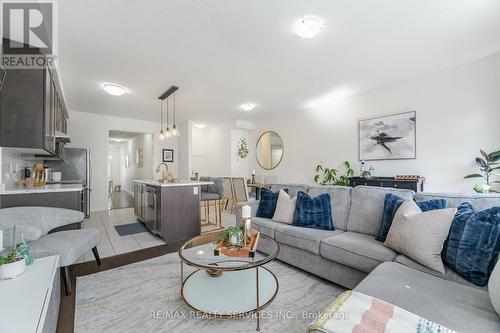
[130, 156]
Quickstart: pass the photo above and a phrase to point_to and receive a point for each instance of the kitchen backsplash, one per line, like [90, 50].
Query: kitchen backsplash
[13, 162]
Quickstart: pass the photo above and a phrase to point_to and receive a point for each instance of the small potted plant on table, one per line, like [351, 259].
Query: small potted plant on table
[12, 265]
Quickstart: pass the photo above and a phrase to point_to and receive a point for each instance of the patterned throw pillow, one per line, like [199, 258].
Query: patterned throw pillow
[267, 204]
[473, 243]
[391, 204]
[313, 213]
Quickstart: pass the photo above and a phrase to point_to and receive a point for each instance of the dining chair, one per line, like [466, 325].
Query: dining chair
[240, 190]
[227, 193]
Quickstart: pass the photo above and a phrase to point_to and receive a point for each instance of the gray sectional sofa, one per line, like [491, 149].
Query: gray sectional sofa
[350, 256]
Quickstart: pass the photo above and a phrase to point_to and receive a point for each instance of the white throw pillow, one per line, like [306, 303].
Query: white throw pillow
[494, 287]
[420, 235]
[285, 207]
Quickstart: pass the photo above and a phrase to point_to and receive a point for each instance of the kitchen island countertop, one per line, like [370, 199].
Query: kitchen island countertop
[181, 182]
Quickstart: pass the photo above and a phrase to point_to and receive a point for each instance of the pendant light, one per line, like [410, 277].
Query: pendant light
[168, 134]
[175, 131]
[162, 136]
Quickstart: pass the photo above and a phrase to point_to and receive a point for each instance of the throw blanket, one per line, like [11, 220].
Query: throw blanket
[358, 313]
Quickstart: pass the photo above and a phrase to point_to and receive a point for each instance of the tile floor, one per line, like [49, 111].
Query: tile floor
[112, 243]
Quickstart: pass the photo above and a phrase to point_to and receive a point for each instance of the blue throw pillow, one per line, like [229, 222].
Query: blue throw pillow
[391, 205]
[267, 204]
[313, 212]
[472, 246]
[450, 247]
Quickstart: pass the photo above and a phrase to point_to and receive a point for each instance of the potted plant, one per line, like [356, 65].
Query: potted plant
[330, 176]
[488, 166]
[12, 265]
[242, 148]
[232, 236]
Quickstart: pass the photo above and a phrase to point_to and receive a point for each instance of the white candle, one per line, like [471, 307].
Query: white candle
[1, 240]
[246, 212]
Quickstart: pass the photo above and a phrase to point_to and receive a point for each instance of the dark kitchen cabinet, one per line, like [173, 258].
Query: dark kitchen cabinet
[33, 114]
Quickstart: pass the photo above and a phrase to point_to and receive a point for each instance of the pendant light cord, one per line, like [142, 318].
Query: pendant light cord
[167, 114]
[161, 115]
[174, 109]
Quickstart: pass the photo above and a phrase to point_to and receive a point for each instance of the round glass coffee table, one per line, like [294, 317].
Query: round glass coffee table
[228, 286]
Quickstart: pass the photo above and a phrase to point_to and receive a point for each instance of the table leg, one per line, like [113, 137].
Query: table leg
[258, 311]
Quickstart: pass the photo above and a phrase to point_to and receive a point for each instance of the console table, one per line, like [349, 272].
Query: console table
[30, 302]
[415, 185]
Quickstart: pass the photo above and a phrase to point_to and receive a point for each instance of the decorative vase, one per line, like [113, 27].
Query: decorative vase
[12, 270]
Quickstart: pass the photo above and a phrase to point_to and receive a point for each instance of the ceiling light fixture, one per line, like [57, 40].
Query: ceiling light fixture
[308, 26]
[165, 96]
[162, 136]
[200, 126]
[248, 106]
[114, 89]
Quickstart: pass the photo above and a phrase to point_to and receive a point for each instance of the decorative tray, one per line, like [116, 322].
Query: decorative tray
[246, 251]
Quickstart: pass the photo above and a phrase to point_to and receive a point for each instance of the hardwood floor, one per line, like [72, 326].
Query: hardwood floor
[67, 308]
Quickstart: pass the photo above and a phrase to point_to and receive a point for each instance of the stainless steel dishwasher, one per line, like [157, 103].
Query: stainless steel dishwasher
[151, 209]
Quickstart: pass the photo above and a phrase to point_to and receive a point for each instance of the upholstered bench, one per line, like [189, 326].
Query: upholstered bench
[70, 246]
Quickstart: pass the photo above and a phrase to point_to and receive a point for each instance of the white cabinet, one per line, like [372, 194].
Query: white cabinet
[30, 302]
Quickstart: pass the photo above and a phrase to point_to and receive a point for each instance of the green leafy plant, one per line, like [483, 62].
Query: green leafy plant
[10, 258]
[331, 176]
[242, 148]
[488, 164]
[224, 236]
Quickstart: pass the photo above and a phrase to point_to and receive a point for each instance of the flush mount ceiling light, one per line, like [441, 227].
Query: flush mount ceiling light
[114, 89]
[308, 26]
[200, 126]
[248, 106]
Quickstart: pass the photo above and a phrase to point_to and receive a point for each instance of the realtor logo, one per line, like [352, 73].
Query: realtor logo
[27, 27]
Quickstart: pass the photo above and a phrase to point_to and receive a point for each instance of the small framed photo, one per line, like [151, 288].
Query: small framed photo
[168, 155]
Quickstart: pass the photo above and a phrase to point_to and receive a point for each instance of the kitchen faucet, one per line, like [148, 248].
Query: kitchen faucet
[164, 175]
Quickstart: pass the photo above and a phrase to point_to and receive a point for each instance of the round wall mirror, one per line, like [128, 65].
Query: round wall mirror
[269, 150]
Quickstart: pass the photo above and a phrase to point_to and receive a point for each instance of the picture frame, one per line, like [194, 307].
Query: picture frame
[389, 137]
[139, 157]
[168, 155]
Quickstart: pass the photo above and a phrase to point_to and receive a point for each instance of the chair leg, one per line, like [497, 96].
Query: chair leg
[66, 280]
[227, 202]
[96, 255]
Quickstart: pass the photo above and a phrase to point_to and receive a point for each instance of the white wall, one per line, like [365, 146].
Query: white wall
[458, 113]
[91, 131]
[213, 143]
[144, 141]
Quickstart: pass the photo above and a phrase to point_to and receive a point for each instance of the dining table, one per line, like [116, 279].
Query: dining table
[258, 187]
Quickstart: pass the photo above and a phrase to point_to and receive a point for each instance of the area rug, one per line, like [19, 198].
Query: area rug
[144, 297]
[130, 229]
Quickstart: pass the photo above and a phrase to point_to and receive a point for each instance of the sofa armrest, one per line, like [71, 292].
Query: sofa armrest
[254, 204]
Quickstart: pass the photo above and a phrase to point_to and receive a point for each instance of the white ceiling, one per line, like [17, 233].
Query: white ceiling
[222, 53]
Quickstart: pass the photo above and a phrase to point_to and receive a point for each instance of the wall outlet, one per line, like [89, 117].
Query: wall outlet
[195, 190]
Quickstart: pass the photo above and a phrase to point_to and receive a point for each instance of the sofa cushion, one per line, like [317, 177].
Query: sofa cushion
[340, 197]
[367, 207]
[458, 307]
[494, 287]
[449, 274]
[356, 250]
[478, 201]
[392, 203]
[267, 203]
[474, 243]
[285, 208]
[293, 189]
[420, 235]
[266, 226]
[306, 239]
[313, 213]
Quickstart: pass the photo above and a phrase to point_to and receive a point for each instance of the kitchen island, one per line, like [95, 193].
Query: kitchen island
[170, 210]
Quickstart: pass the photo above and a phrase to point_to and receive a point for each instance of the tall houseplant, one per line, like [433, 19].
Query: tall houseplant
[488, 164]
[331, 176]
